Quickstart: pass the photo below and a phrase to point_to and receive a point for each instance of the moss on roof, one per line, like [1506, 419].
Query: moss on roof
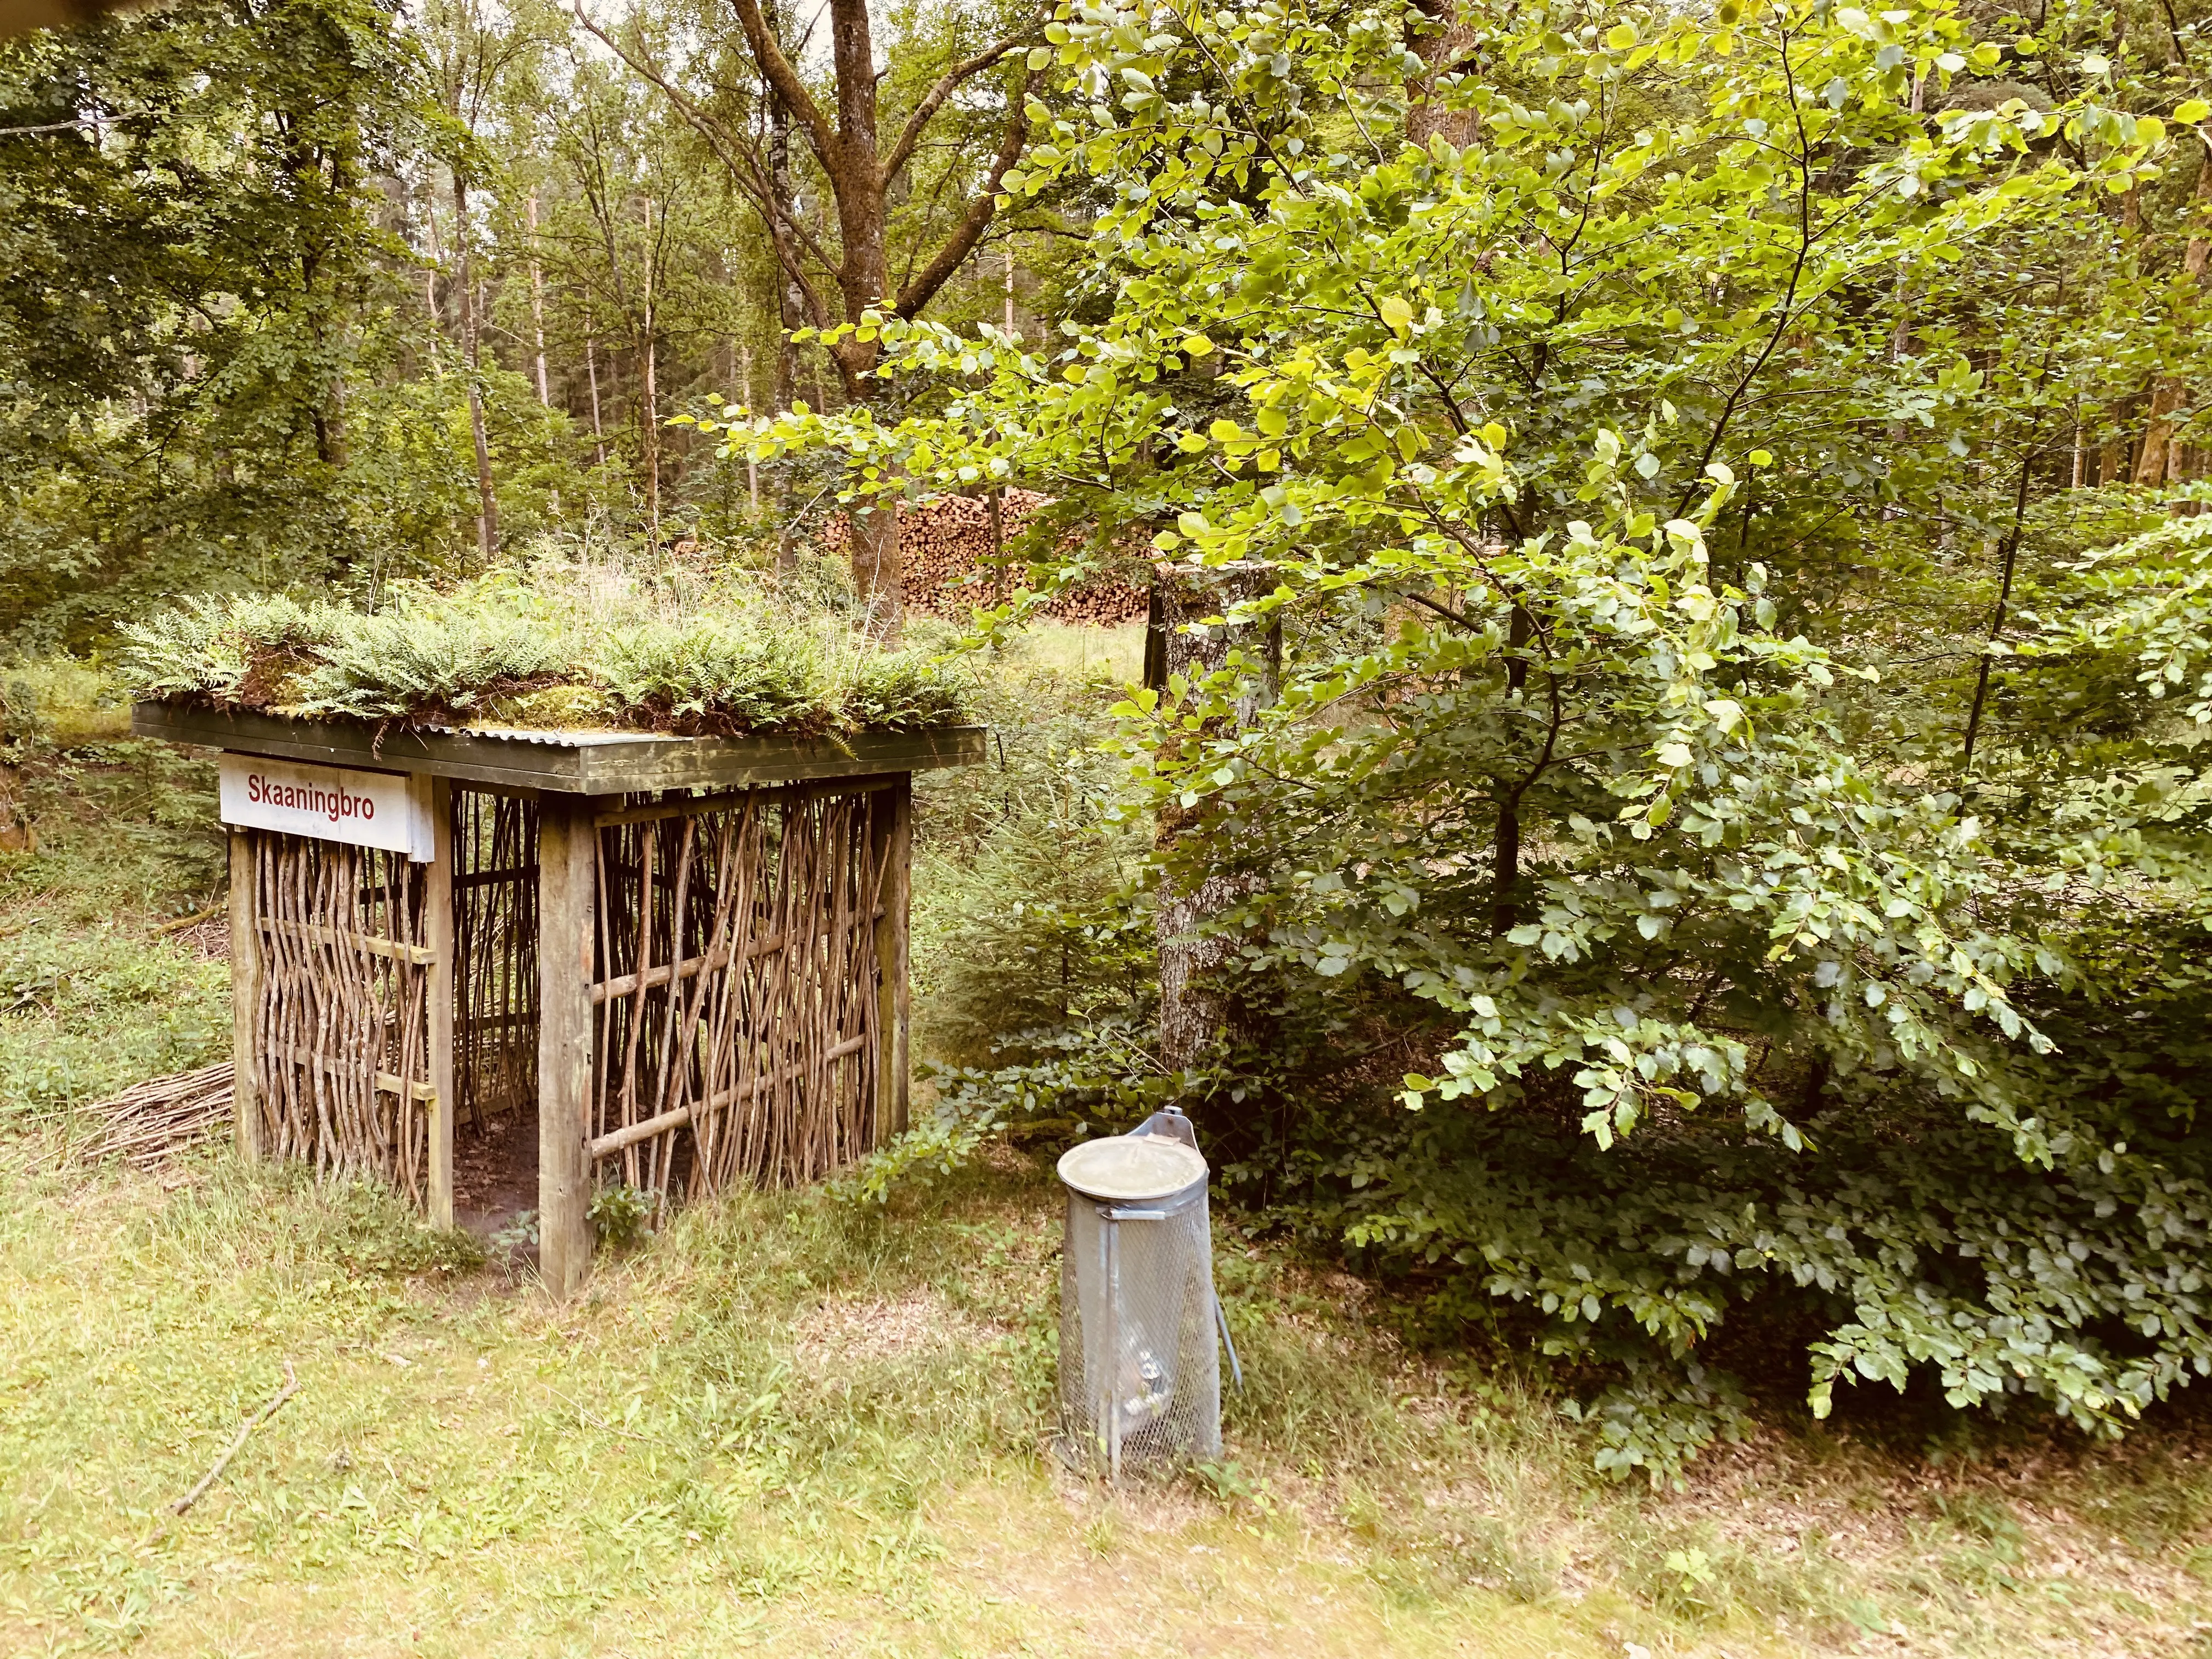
[557, 648]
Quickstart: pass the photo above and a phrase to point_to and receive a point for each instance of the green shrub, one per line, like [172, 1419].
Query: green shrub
[1718, 890]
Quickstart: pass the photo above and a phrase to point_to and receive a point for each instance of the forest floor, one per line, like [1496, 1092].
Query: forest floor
[793, 1427]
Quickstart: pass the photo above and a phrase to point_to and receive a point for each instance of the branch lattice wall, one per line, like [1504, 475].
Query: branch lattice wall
[746, 1002]
[495, 955]
[340, 1019]
[739, 993]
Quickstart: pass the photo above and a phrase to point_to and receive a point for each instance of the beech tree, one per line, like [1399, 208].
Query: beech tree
[841, 272]
[1681, 854]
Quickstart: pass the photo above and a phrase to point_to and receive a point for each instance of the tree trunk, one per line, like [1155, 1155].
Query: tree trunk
[2163, 460]
[2111, 461]
[592, 374]
[790, 311]
[1196, 1009]
[537, 305]
[1439, 43]
[753, 466]
[878, 576]
[861, 180]
[790, 304]
[1505, 845]
[863, 280]
[1996, 616]
[2200, 204]
[649, 413]
[2165, 398]
[487, 503]
[329, 431]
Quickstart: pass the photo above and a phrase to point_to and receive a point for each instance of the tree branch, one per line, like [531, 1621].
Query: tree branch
[291, 1387]
[1784, 313]
[776, 69]
[903, 151]
[970, 231]
[744, 165]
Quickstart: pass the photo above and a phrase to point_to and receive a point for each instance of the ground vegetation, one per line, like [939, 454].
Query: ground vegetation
[789, 1417]
[1692, 802]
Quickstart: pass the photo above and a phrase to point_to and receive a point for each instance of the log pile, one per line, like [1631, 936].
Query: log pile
[947, 547]
[148, 1121]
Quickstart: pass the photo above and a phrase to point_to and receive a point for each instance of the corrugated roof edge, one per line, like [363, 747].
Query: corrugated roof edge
[591, 763]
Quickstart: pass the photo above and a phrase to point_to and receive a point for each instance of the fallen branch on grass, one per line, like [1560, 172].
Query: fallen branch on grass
[178, 924]
[148, 1121]
[291, 1387]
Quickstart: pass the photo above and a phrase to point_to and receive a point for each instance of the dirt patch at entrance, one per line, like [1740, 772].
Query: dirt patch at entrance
[495, 1185]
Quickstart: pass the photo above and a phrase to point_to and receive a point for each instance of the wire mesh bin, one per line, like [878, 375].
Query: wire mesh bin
[1139, 1376]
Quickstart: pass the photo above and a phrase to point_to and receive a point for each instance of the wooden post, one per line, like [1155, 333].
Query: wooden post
[438, 927]
[567, 882]
[244, 996]
[894, 836]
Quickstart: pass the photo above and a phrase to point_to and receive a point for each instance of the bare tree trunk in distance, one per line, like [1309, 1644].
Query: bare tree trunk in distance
[790, 303]
[649, 415]
[538, 304]
[471, 347]
[2165, 398]
[2162, 459]
[592, 374]
[537, 324]
[752, 467]
[1439, 45]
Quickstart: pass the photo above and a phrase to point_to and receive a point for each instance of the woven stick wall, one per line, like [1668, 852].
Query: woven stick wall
[494, 954]
[737, 1004]
[340, 1035]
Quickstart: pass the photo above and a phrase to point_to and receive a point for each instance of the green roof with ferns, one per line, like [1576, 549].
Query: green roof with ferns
[563, 648]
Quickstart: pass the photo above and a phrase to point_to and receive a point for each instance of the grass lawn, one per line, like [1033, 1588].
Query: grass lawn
[794, 1426]
[788, 1425]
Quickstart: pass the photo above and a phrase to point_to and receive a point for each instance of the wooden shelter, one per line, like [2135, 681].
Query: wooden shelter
[686, 955]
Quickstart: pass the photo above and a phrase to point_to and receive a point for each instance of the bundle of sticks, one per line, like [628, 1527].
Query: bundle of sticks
[946, 546]
[148, 1121]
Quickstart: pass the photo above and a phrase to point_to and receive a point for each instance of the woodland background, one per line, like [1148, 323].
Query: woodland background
[334, 294]
[1664, 823]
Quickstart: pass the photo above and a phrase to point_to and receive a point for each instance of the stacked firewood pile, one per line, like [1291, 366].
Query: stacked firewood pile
[947, 545]
[147, 1123]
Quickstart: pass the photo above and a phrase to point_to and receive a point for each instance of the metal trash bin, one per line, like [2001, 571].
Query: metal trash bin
[1139, 1376]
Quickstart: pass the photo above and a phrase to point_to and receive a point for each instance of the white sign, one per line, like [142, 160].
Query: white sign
[330, 803]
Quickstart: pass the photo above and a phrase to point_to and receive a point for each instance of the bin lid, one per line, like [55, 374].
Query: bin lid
[1129, 1169]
